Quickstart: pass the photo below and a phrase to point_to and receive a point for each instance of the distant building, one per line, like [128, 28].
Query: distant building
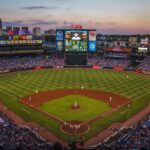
[119, 43]
[9, 28]
[101, 38]
[133, 41]
[144, 41]
[116, 43]
[123, 43]
[37, 31]
[25, 30]
[50, 32]
[16, 30]
[1, 25]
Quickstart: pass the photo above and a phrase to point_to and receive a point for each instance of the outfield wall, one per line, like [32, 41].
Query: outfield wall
[75, 66]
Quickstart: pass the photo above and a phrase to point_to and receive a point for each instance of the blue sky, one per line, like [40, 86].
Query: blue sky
[107, 16]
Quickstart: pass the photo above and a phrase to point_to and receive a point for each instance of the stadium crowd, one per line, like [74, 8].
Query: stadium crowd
[106, 62]
[136, 137]
[18, 137]
[14, 137]
[21, 63]
[145, 65]
[15, 63]
[116, 55]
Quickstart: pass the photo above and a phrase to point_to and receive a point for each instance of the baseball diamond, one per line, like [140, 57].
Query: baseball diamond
[104, 96]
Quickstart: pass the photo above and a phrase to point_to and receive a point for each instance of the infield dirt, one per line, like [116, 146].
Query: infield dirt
[38, 99]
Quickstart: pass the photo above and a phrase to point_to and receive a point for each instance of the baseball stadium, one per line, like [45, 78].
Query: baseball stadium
[73, 88]
[75, 95]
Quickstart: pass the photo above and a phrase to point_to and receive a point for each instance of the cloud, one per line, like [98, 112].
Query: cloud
[39, 8]
[40, 22]
[14, 23]
[62, 0]
[36, 22]
[105, 23]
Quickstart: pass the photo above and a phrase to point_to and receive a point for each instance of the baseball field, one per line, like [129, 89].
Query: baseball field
[47, 97]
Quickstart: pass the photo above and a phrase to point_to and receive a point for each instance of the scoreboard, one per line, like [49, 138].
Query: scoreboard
[76, 40]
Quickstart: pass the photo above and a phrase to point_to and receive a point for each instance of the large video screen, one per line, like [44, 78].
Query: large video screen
[76, 40]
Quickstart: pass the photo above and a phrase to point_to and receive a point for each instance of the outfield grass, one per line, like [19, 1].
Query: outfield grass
[136, 88]
[89, 108]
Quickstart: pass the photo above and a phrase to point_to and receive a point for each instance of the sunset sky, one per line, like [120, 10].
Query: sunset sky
[107, 16]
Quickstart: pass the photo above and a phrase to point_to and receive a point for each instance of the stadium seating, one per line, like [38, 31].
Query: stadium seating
[106, 62]
[15, 63]
[135, 137]
[18, 137]
[14, 137]
[145, 65]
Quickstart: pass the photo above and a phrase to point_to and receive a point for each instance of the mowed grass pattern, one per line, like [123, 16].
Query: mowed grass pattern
[44, 80]
[62, 108]
[136, 87]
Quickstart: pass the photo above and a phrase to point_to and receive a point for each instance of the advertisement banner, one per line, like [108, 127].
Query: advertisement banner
[59, 45]
[92, 35]
[92, 46]
[59, 35]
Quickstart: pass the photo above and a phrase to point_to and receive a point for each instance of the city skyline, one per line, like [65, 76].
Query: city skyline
[107, 16]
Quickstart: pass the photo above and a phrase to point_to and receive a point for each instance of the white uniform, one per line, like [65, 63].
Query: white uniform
[30, 98]
[110, 98]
